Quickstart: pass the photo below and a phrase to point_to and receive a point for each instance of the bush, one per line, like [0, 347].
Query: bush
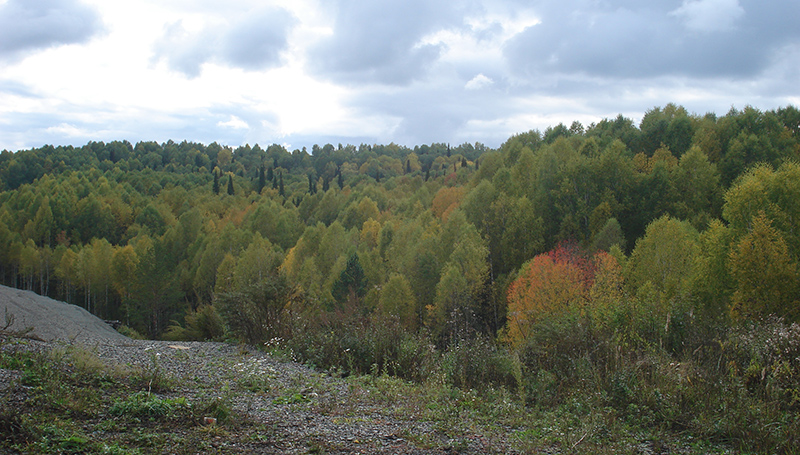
[360, 345]
[130, 333]
[202, 324]
[473, 363]
[766, 355]
[258, 313]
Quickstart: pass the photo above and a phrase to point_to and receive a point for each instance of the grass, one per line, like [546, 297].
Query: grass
[70, 402]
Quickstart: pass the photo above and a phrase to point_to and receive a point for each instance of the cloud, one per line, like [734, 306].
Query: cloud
[626, 39]
[478, 82]
[709, 15]
[234, 123]
[434, 112]
[253, 41]
[27, 25]
[382, 41]
[256, 42]
[182, 50]
[67, 130]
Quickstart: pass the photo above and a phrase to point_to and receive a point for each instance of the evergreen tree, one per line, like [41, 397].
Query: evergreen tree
[270, 175]
[312, 184]
[352, 283]
[231, 191]
[216, 182]
[340, 179]
[262, 179]
[281, 190]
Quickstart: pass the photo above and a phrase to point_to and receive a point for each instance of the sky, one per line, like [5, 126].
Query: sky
[412, 72]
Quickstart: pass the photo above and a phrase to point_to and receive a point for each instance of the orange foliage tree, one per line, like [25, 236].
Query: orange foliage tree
[550, 284]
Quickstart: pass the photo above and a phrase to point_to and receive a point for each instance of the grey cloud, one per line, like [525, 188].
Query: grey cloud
[257, 41]
[434, 113]
[27, 25]
[252, 42]
[645, 39]
[379, 41]
[184, 52]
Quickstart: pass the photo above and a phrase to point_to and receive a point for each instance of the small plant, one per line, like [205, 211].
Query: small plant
[153, 377]
[147, 405]
[218, 407]
[13, 427]
[115, 449]
[292, 398]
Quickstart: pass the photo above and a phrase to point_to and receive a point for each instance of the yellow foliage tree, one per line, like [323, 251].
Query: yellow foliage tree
[764, 274]
[446, 200]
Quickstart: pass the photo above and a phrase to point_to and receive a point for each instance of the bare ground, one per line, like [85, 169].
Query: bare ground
[278, 406]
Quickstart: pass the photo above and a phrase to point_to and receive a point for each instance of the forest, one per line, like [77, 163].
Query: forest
[650, 269]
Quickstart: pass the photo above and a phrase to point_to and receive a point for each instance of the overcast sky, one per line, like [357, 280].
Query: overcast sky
[300, 72]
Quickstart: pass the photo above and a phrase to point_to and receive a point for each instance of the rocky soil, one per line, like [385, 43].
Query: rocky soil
[279, 406]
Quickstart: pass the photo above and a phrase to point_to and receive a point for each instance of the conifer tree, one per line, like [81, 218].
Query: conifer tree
[231, 191]
[312, 184]
[352, 283]
[262, 179]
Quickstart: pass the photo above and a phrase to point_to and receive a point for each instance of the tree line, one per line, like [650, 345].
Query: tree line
[139, 232]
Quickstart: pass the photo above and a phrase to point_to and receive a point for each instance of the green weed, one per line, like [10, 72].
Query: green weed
[148, 405]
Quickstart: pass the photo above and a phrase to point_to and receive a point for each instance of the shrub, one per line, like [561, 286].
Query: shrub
[360, 345]
[473, 363]
[130, 333]
[767, 356]
[257, 313]
[202, 324]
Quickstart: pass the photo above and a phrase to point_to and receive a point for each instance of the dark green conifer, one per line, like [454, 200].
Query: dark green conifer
[231, 191]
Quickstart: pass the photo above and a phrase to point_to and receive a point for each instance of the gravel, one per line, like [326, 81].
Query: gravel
[50, 320]
[305, 410]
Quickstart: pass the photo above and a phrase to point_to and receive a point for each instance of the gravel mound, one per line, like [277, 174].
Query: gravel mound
[51, 320]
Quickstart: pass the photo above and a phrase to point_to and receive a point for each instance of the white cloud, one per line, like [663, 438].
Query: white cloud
[68, 130]
[478, 82]
[234, 123]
